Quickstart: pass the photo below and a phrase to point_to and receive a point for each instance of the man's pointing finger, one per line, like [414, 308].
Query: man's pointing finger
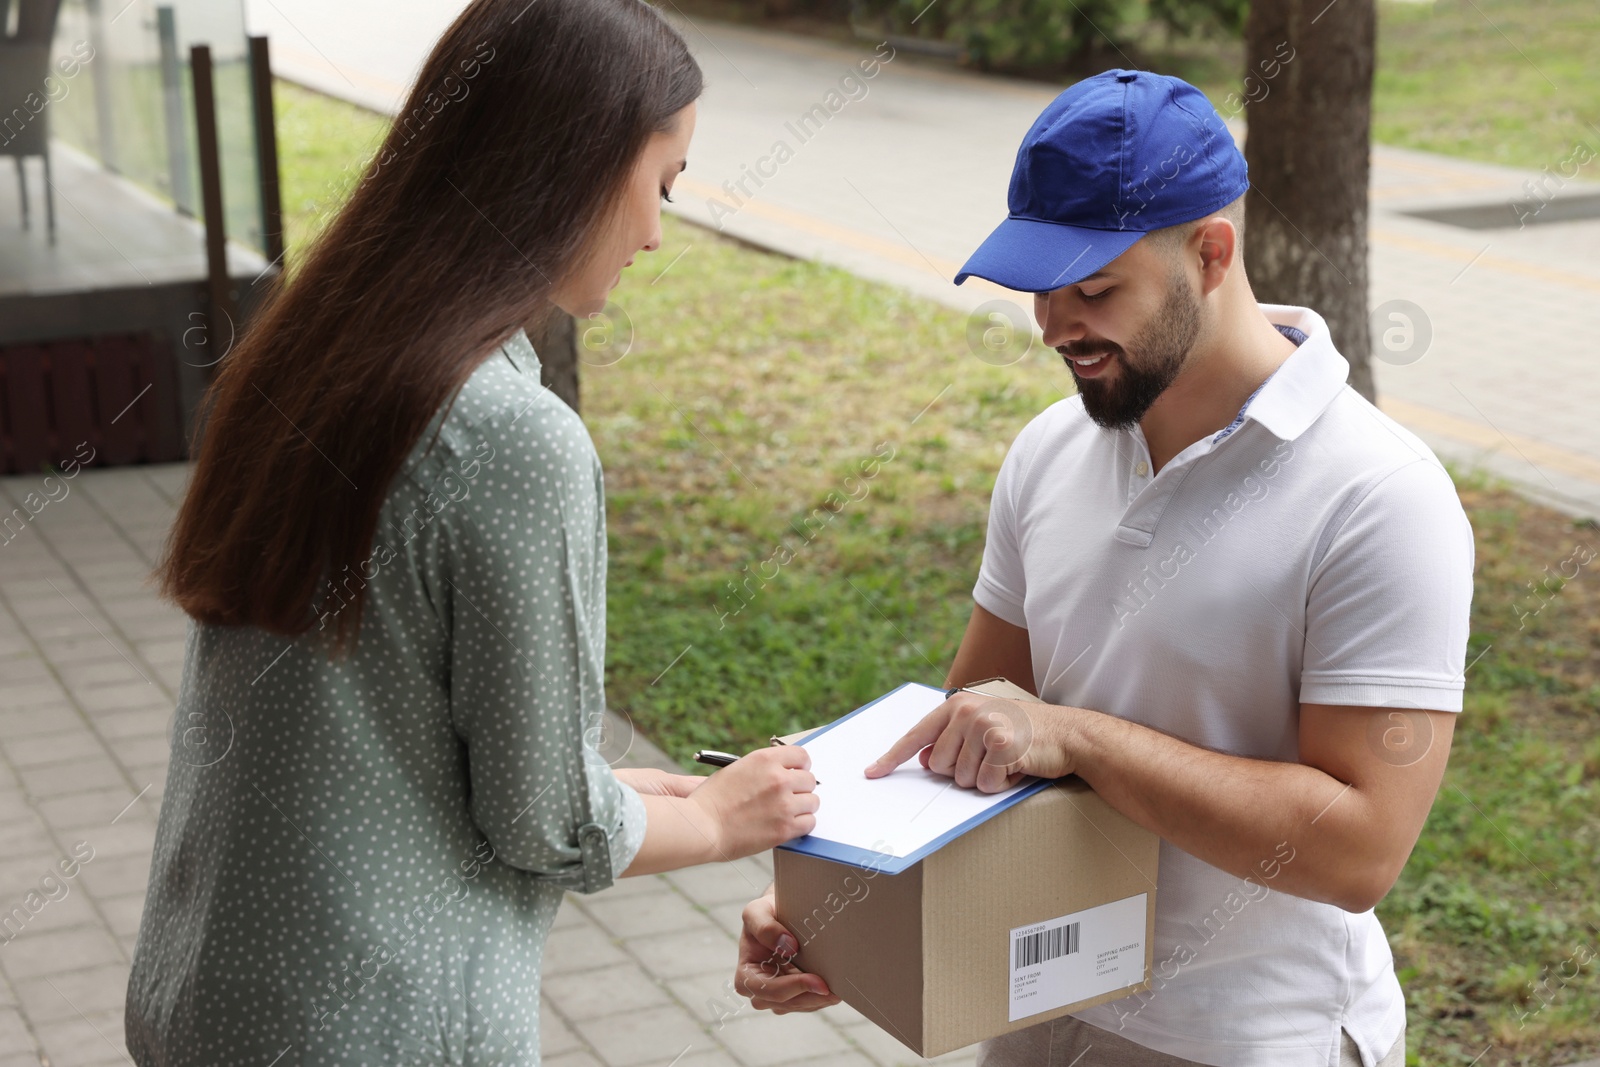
[915, 740]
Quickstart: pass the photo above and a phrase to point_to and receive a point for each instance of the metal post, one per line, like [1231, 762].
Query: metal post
[266, 150]
[205, 113]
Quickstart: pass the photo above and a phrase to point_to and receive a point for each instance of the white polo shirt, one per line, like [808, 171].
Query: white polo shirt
[1313, 552]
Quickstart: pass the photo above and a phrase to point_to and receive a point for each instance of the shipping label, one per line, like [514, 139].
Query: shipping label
[1074, 957]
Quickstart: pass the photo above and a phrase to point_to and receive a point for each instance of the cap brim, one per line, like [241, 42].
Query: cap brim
[1035, 257]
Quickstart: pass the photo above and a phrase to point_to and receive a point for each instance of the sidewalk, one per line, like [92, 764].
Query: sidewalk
[90, 661]
[910, 174]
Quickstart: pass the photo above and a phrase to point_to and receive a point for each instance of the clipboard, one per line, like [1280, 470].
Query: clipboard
[946, 816]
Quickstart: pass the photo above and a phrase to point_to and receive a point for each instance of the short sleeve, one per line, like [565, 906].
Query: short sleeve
[524, 592]
[1001, 587]
[1387, 615]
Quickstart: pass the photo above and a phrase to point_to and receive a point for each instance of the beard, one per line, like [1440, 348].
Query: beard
[1147, 366]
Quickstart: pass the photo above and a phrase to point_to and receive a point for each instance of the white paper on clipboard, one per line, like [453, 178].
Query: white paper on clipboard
[905, 811]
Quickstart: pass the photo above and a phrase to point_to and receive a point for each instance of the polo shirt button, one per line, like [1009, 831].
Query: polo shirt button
[1142, 469]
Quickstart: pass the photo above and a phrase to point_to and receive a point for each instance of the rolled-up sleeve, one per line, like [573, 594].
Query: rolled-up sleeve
[523, 592]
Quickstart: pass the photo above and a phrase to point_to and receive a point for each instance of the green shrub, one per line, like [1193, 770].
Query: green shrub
[1043, 36]
[1033, 34]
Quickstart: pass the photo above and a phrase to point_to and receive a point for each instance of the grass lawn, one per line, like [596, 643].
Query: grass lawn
[755, 386]
[323, 145]
[1507, 81]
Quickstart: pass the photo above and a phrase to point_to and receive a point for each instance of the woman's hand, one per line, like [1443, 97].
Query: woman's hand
[762, 800]
[649, 780]
[765, 972]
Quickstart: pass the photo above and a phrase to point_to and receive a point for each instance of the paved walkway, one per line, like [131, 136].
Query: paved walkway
[89, 668]
[910, 175]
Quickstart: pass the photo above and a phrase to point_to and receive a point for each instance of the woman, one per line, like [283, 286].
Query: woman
[393, 550]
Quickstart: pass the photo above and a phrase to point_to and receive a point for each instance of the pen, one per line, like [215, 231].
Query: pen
[954, 689]
[721, 759]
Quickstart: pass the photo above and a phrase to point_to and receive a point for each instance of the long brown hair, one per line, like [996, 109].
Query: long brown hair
[523, 126]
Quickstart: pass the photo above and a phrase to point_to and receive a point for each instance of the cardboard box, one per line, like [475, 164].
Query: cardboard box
[1045, 909]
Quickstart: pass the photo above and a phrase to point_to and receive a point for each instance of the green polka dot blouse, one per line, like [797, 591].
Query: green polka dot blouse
[358, 861]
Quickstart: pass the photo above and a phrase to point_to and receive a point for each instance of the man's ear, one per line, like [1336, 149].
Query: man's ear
[1216, 243]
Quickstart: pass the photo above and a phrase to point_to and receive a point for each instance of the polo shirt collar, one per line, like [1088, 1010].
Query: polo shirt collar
[1306, 383]
[1290, 400]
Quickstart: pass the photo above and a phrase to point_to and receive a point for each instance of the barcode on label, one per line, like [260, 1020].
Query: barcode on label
[1032, 949]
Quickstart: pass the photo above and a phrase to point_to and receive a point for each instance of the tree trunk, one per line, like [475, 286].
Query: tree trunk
[556, 341]
[1308, 86]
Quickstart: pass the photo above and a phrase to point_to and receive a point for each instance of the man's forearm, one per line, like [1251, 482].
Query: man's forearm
[1233, 812]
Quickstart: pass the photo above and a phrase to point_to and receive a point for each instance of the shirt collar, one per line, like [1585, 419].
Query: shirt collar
[519, 351]
[1291, 399]
[1305, 384]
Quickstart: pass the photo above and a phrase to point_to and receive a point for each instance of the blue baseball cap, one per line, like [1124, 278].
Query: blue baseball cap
[1110, 159]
